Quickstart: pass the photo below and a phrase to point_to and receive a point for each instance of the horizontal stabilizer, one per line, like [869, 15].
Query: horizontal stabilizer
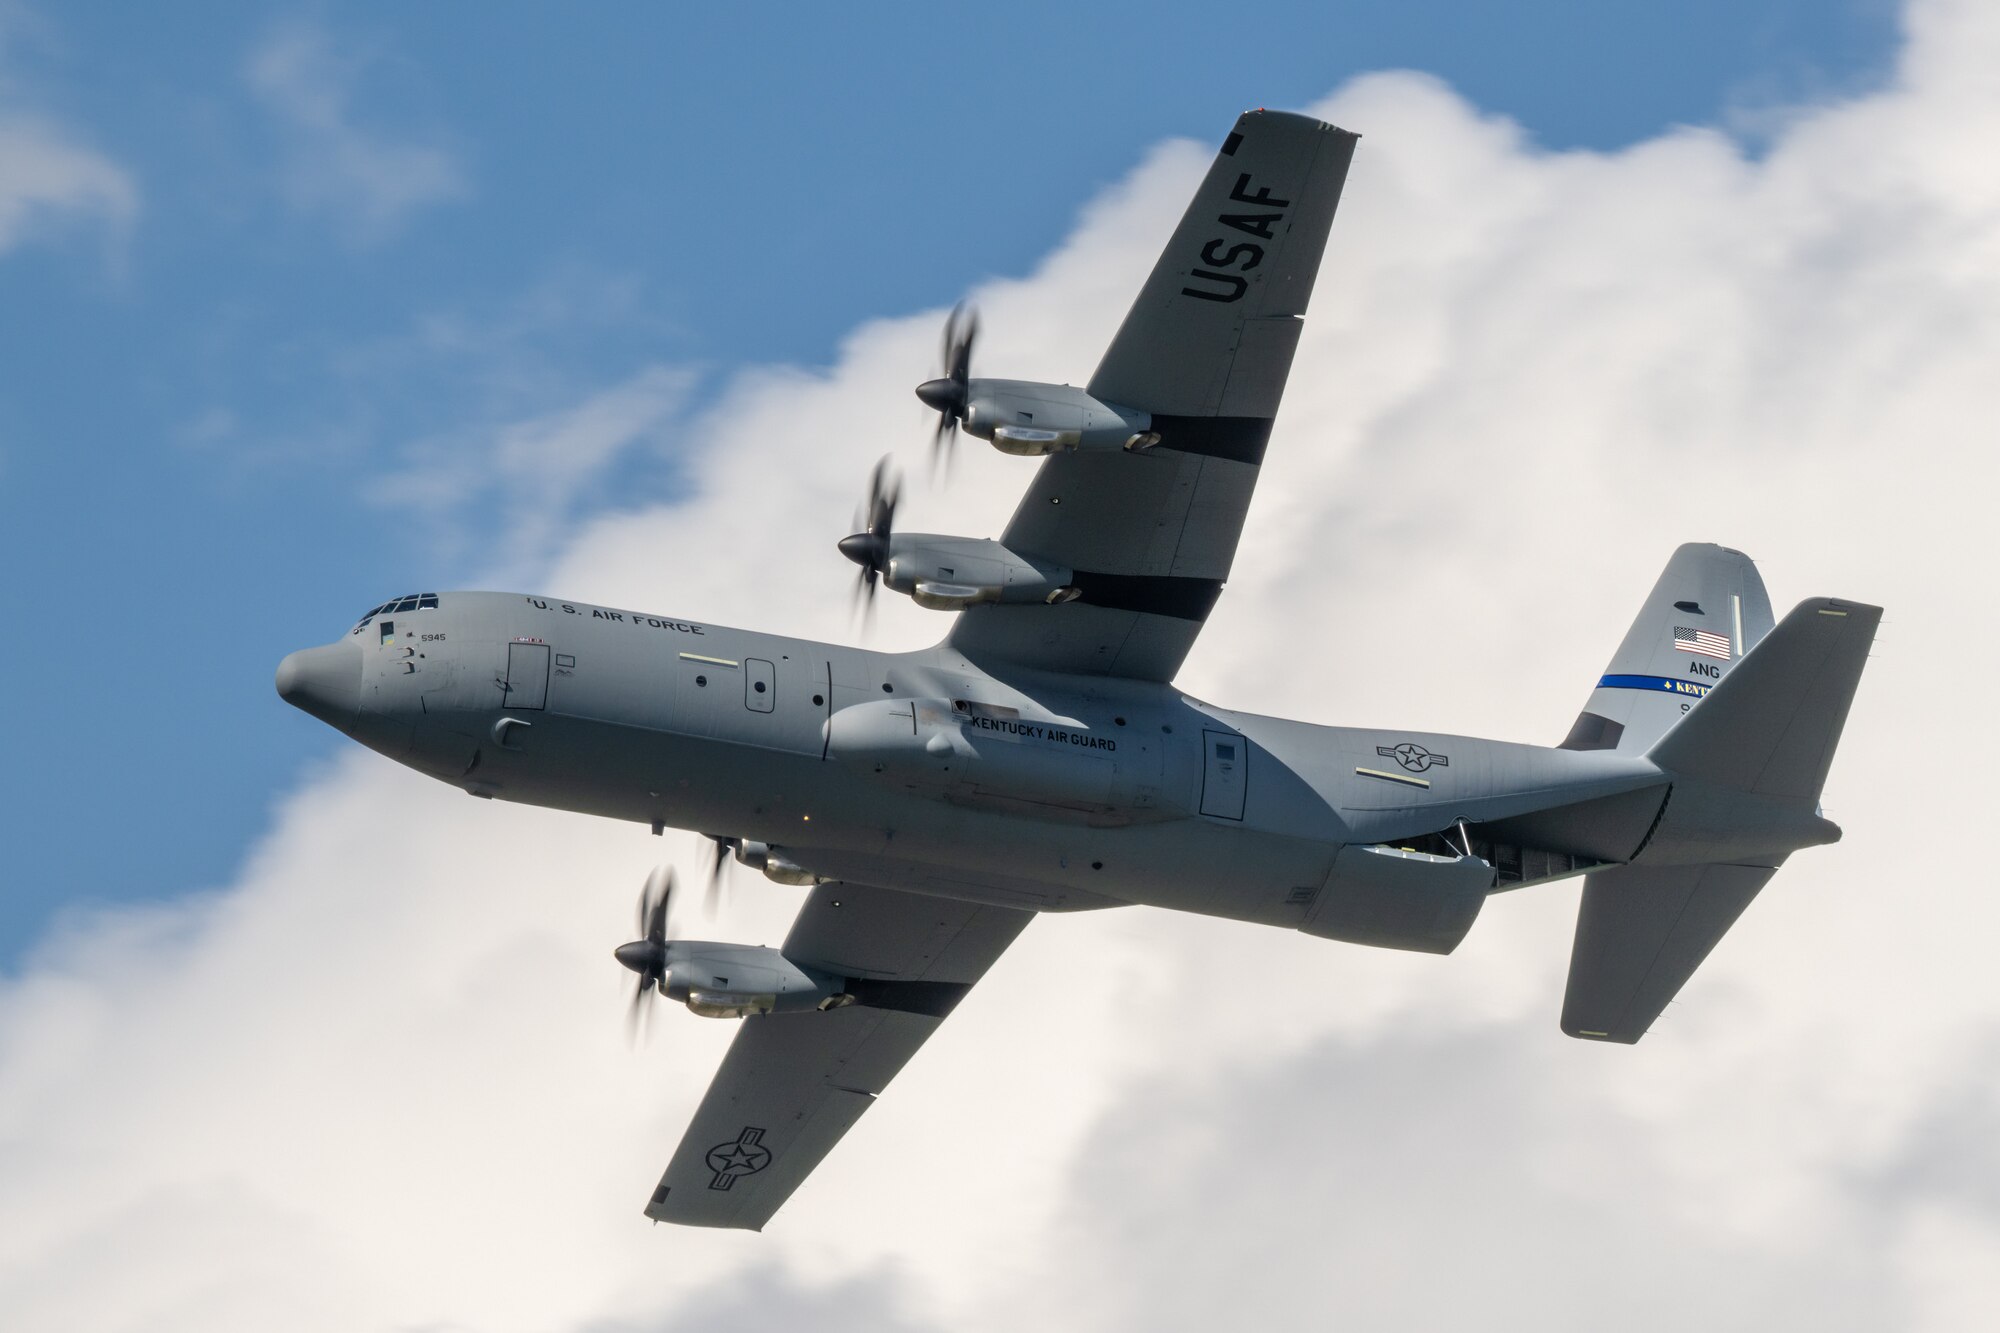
[1770, 727]
[1640, 935]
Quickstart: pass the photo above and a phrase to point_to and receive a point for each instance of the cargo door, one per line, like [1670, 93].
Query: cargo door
[1225, 768]
[527, 683]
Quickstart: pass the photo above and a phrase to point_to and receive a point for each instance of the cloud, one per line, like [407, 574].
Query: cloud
[49, 178]
[378, 1080]
[532, 474]
[367, 179]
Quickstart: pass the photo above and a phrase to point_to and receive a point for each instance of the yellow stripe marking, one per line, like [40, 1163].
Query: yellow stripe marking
[1393, 777]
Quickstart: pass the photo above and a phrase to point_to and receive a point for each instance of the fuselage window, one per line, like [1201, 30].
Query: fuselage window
[415, 601]
[425, 601]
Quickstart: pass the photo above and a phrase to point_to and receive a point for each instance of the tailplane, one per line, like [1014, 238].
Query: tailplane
[1747, 767]
[1640, 934]
[1770, 729]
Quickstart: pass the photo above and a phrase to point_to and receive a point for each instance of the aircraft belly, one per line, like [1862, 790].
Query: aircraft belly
[1188, 865]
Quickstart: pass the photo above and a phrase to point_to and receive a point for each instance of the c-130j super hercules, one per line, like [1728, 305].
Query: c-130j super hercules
[1039, 759]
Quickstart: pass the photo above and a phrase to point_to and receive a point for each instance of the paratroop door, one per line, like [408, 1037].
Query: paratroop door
[527, 675]
[760, 685]
[1225, 766]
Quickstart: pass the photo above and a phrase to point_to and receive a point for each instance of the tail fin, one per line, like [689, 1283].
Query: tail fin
[1708, 609]
[1748, 766]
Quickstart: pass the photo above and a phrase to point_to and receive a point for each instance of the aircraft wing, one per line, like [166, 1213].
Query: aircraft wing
[1206, 350]
[792, 1084]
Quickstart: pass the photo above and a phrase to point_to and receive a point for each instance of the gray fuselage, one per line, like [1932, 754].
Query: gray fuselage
[922, 771]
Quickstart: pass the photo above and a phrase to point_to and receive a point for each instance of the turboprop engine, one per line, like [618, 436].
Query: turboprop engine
[1028, 418]
[940, 572]
[718, 980]
[994, 758]
[736, 980]
[1021, 416]
[950, 573]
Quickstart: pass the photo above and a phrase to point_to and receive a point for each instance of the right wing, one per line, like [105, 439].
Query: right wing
[1205, 349]
[792, 1084]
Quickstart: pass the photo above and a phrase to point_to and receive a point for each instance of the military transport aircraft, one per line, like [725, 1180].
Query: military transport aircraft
[1039, 758]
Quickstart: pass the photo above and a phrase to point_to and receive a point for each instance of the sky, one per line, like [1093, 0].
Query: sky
[307, 307]
[273, 279]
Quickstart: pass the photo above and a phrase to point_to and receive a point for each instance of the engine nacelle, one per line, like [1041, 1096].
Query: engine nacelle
[737, 980]
[951, 573]
[776, 865]
[995, 759]
[1396, 899]
[1029, 418]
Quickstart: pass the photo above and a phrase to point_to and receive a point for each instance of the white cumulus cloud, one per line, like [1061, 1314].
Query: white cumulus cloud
[46, 175]
[378, 1081]
[50, 177]
[338, 163]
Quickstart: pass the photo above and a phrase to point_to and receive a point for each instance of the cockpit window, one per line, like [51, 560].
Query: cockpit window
[416, 601]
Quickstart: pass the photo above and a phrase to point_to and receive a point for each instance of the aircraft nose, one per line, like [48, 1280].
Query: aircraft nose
[325, 682]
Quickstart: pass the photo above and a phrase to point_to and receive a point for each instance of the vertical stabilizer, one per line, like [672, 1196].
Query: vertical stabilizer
[1708, 609]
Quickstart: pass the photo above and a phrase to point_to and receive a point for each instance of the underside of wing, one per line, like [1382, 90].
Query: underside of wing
[793, 1083]
[1151, 531]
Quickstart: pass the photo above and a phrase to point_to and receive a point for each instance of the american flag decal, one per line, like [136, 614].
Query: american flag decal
[1705, 642]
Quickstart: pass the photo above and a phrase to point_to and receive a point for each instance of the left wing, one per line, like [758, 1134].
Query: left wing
[792, 1084]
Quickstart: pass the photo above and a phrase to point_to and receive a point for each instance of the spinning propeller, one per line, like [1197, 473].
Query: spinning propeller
[711, 897]
[648, 955]
[948, 395]
[869, 548]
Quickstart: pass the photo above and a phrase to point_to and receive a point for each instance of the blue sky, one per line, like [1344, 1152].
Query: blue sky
[359, 238]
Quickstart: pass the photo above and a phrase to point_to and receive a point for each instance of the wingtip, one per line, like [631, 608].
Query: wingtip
[1582, 1033]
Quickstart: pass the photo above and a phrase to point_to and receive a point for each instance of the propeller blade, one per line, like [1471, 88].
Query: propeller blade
[961, 330]
[637, 1014]
[949, 393]
[712, 896]
[647, 955]
[945, 430]
[658, 893]
[869, 547]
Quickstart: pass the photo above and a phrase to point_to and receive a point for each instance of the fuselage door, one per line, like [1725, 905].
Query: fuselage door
[527, 676]
[1224, 773]
[760, 685]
